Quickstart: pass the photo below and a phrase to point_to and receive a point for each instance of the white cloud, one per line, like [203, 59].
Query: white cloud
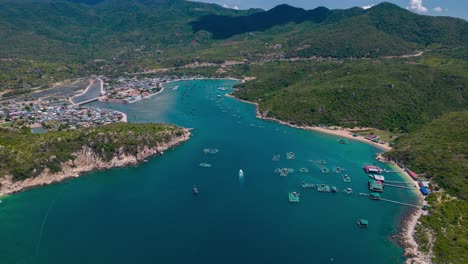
[236, 8]
[438, 9]
[417, 5]
[367, 7]
[225, 6]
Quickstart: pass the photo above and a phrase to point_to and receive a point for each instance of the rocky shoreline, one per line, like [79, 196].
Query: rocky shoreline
[86, 160]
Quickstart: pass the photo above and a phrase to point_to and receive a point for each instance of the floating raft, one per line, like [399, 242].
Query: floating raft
[323, 188]
[324, 162]
[276, 157]
[290, 155]
[325, 170]
[304, 170]
[294, 197]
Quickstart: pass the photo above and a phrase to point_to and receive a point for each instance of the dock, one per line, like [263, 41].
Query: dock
[391, 201]
[397, 186]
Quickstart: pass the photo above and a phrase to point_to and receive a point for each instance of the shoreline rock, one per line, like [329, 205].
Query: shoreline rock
[86, 160]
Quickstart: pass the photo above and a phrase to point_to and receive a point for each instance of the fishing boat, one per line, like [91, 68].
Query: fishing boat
[342, 141]
[333, 189]
[374, 196]
[363, 223]
[205, 165]
[346, 178]
[324, 162]
[325, 170]
[222, 88]
[290, 155]
[304, 170]
[241, 174]
[195, 190]
[349, 191]
[175, 88]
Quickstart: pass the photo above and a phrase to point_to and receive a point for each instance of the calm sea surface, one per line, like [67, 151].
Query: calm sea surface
[148, 214]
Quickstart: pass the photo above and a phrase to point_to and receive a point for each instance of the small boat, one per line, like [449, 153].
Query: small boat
[342, 141]
[241, 174]
[325, 170]
[195, 190]
[205, 165]
[346, 178]
[324, 162]
[175, 88]
[363, 223]
[333, 189]
[349, 190]
[374, 196]
[219, 96]
[304, 170]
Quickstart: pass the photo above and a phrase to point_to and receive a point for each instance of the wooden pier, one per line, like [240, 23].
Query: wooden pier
[407, 204]
[397, 186]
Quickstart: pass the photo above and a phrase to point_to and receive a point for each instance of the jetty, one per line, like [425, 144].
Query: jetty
[373, 197]
[397, 186]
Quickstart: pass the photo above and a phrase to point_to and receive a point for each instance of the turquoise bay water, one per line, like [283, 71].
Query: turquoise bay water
[148, 214]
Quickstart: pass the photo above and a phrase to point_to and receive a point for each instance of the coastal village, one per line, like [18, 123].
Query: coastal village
[50, 110]
[129, 90]
[38, 114]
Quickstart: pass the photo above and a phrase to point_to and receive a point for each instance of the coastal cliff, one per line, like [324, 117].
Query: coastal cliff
[101, 148]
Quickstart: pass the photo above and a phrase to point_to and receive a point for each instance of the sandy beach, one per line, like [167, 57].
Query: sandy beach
[338, 131]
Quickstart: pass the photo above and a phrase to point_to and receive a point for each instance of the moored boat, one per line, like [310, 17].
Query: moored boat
[205, 165]
[195, 190]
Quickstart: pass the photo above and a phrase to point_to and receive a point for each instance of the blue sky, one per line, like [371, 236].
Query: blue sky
[455, 8]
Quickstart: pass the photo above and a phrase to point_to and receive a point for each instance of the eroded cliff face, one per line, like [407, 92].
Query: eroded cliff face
[87, 160]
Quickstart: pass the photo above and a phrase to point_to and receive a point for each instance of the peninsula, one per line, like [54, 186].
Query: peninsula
[37, 159]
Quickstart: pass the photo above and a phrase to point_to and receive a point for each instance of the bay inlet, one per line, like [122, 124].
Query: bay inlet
[148, 213]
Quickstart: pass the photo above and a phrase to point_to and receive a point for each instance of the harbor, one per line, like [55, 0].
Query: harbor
[156, 202]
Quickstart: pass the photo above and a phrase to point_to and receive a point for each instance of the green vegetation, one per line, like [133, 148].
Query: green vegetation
[391, 94]
[69, 39]
[439, 151]
[26, 155]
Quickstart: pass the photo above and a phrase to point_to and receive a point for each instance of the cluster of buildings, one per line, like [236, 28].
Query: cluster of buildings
[36, 114]
[128, 90]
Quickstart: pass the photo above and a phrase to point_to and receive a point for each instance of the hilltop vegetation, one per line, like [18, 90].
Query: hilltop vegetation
[110, 36]
[391, 94]
[26, 155]
[439, 151]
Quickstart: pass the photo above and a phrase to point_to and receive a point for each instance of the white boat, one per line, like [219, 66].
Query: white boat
[241, 174]
[175, 88]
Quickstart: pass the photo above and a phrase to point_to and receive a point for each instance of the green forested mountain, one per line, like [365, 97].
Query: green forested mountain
[62, 30]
